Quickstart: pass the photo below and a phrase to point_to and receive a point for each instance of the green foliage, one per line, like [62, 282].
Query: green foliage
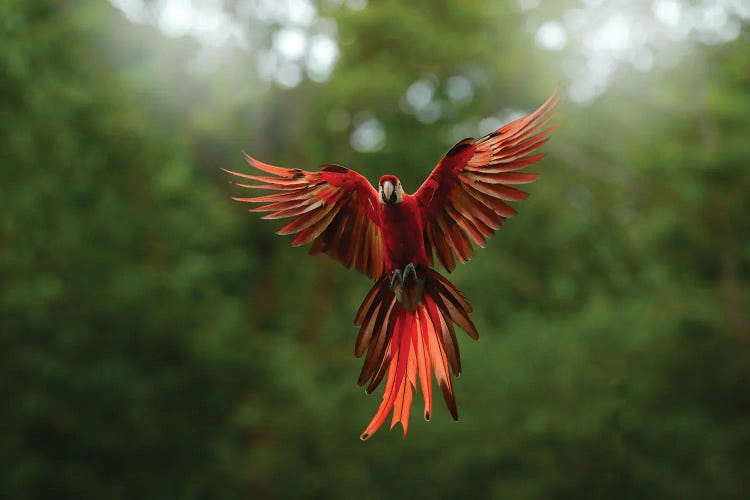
[156, 341]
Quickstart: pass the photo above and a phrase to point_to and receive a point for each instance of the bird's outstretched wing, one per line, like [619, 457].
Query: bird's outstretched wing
[333, 208]
[464, 198]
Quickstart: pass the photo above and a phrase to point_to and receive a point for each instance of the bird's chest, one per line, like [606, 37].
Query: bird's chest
[402, 231]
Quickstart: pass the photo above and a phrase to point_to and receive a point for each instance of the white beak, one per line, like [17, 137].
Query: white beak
[388, 189]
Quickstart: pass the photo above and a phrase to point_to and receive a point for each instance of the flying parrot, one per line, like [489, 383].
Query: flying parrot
[407, 321]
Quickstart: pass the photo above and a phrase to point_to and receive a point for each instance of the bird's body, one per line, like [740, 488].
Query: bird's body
[403, 219]
[406, 321]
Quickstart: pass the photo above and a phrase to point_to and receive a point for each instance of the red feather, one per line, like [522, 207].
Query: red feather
[479, 169]
[407, 322]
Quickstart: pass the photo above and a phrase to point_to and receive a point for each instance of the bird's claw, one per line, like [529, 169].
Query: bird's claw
[407, 286]
[399, 277]
[409, 270]
[396, 278]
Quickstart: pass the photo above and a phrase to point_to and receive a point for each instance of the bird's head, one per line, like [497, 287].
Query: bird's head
[390, 190]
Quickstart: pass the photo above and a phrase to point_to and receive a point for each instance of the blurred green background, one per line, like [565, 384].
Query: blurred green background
[157, 341]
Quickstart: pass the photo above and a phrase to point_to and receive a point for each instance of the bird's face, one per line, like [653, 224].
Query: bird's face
[390, 190]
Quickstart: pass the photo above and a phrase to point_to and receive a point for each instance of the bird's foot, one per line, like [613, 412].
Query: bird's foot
[409, 270]
[396, 278]
[404, 277]
[407, 286]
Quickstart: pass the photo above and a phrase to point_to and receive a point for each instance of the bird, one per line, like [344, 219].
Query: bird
[407, 322]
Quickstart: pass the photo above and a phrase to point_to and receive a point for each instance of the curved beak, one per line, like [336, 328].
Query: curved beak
[387, 190]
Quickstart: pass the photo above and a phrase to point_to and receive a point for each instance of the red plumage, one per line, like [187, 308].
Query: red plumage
[407, 320]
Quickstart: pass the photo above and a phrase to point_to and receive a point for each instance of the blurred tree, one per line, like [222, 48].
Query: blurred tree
[124, 361]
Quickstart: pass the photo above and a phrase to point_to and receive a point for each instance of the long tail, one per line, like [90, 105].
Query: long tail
[408, 345]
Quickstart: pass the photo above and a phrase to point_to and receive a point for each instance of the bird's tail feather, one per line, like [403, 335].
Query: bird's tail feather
[409, 345]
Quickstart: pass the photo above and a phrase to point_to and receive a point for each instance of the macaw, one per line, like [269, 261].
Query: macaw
[406, 321]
